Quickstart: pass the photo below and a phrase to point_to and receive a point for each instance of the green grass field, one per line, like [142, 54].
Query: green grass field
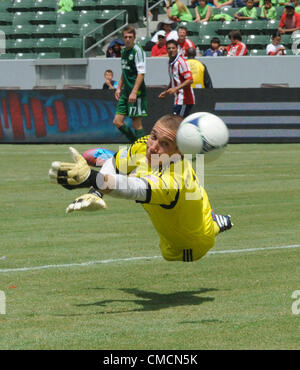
[224, 301]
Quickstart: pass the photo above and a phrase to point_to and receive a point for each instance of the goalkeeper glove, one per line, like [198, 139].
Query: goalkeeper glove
[73, 175]
[87, 202]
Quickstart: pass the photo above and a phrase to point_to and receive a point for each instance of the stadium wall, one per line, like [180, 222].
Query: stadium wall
[237, 72]
[85, 116]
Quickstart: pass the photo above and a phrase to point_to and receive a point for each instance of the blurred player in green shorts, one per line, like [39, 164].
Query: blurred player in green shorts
[131, 91]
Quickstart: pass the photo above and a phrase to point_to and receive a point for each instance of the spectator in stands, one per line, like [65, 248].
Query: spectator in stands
[203, 12]
[236, 47]
[194, 3]
[178, 12]
[290, 20]
[171, 34]
[247, 12]
[214, 50]
[160, 49]
[65, 6]
[282, 3]
[199, 71]
[262, 3]
[275, 47]
[109, 83]
[297, 6]
[223, 3]
[114, 49]
[268, 11]
[183, 42]
[169, 27]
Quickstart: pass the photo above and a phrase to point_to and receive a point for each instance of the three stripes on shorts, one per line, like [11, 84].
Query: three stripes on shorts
[187, 255]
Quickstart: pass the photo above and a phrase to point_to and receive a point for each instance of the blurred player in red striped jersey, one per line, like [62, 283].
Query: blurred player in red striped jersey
[181, 80]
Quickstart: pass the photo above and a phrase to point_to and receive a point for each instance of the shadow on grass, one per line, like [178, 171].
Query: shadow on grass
[152, 301]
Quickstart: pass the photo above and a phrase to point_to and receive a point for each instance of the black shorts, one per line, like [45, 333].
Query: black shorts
[182, 110]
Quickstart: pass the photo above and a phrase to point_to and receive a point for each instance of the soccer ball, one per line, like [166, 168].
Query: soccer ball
[202, 133]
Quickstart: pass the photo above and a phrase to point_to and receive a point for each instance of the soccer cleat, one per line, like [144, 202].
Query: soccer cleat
[223, 221]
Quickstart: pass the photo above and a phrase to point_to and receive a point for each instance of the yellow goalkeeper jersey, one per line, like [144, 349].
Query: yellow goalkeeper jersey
[177, 205]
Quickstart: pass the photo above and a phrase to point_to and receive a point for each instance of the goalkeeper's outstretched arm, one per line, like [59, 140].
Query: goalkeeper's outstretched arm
[107, 181]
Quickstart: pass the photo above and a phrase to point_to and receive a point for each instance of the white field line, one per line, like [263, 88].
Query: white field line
[89, 263]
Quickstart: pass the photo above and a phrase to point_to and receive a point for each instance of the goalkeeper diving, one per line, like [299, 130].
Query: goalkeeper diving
[151, 172]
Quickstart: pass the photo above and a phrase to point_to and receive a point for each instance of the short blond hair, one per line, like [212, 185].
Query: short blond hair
[171, 121]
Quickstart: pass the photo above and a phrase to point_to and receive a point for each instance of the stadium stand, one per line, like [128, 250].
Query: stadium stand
[143, 41]
[286, 40]
[7, 56]
[66, 30]
[23, 6]
[255, 52]
[135, 10]
[85, 28]
[192, 28]
[67, 17]
[204, 42]
[253, 27]
[257, 41]
[108, 4]
[209, 28]
[271, 27]
[44, 17]
[49, 55]
[279, 11]
[45, 30]
[30, 21]
[23, 18]
[88, 16]
[25, 56]
[44, 5]
[228, 26]
[23, 31]
[70, 47]
[44, 45]
[5, 5]
[229, 11]
[8, 30]
[85, 5]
